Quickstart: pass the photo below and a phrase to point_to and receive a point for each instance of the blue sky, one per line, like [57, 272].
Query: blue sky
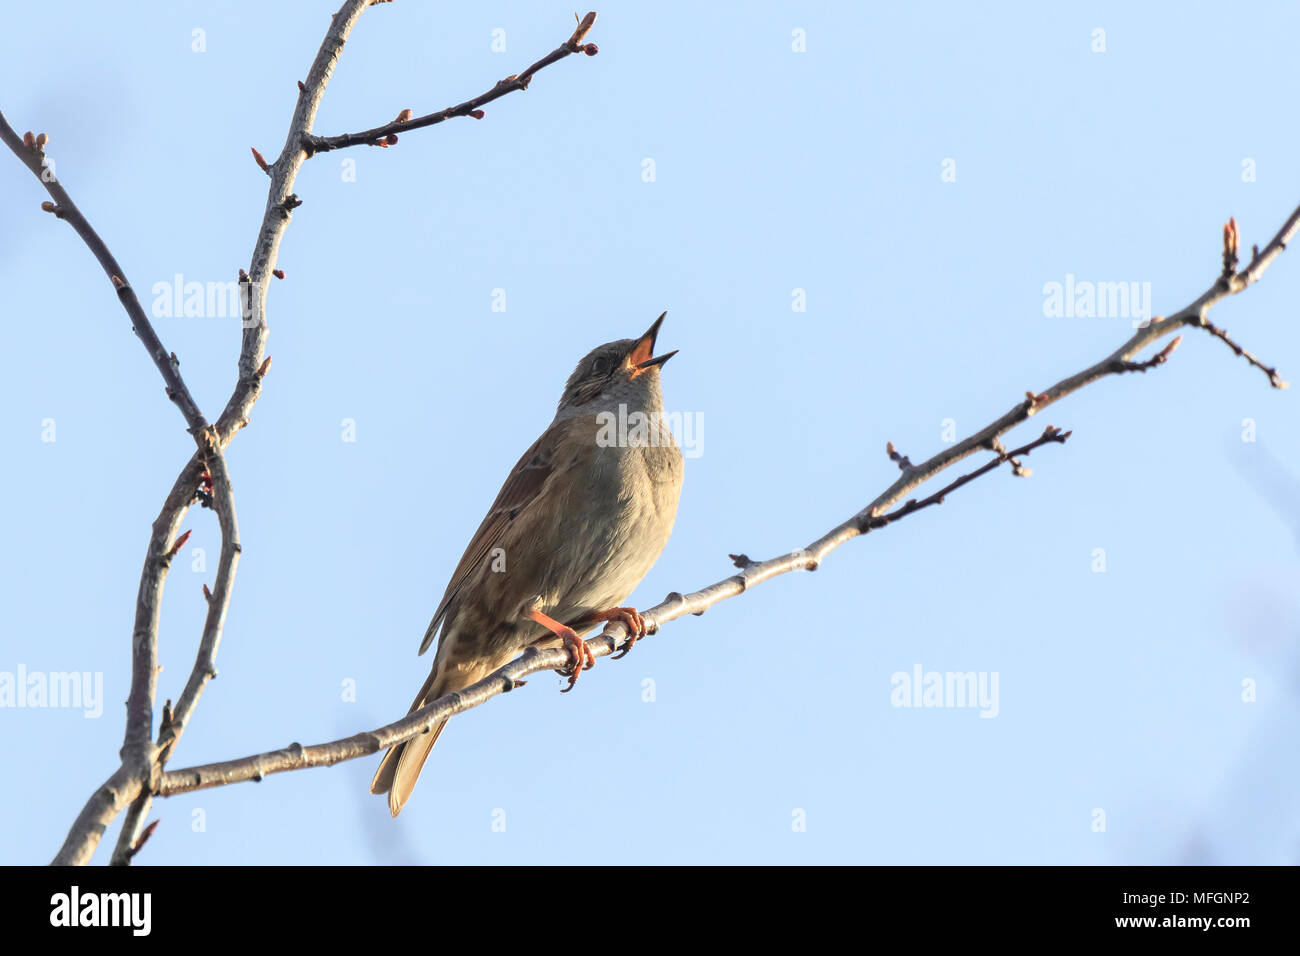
[771, 736]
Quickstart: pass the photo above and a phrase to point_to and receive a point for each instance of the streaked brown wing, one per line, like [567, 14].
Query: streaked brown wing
[523, 486]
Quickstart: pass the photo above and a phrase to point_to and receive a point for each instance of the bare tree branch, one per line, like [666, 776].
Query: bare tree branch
[138, 752]
[137, 748]
[31, 150]
[222, 500]
[205, 477]
[386, 135]
[125, 848]
[875, 515]
[1051, 434]
[145, 758]
[253, 364]
[205, 664]
[1274, 378]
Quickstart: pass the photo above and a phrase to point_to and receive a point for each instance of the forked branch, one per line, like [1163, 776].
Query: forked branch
[205, 479]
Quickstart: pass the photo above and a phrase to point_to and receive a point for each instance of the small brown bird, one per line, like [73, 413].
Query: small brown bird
[578, 523]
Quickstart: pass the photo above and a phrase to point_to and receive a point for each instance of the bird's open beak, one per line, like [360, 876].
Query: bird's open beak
[640, 358]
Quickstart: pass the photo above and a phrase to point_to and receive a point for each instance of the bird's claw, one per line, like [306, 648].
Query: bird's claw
[581, 658]
[630, 618]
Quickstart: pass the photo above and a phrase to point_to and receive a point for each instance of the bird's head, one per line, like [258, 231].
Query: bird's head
[626, 370]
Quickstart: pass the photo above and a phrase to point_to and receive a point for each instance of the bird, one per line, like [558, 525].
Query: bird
[581, 518]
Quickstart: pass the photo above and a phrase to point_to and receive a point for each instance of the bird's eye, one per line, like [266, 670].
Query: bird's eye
[599, 367]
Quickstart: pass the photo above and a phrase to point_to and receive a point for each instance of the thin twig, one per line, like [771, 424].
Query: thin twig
[386, 135]
[1050, 435]
[1274, 378]
[132, 837]
[33, 157]
[213, 474]
[1160, 358]
[205, 664]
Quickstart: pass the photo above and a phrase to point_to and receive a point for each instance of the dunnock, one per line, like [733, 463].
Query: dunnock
[580, 520]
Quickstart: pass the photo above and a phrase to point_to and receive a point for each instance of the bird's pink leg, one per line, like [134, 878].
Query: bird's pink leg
[576, 646]
[631, 619]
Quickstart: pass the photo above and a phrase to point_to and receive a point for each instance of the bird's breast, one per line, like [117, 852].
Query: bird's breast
[617, 520]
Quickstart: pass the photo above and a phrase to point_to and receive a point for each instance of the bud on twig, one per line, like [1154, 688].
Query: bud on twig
[584, 26]
[1168, 350]
[1230, 247]
[894, 456]
[144, 837]
[180, 543]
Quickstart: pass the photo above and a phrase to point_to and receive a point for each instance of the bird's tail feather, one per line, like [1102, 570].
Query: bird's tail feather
[401, 766]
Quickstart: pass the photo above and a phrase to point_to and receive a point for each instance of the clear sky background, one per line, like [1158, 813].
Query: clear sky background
[775, 170]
